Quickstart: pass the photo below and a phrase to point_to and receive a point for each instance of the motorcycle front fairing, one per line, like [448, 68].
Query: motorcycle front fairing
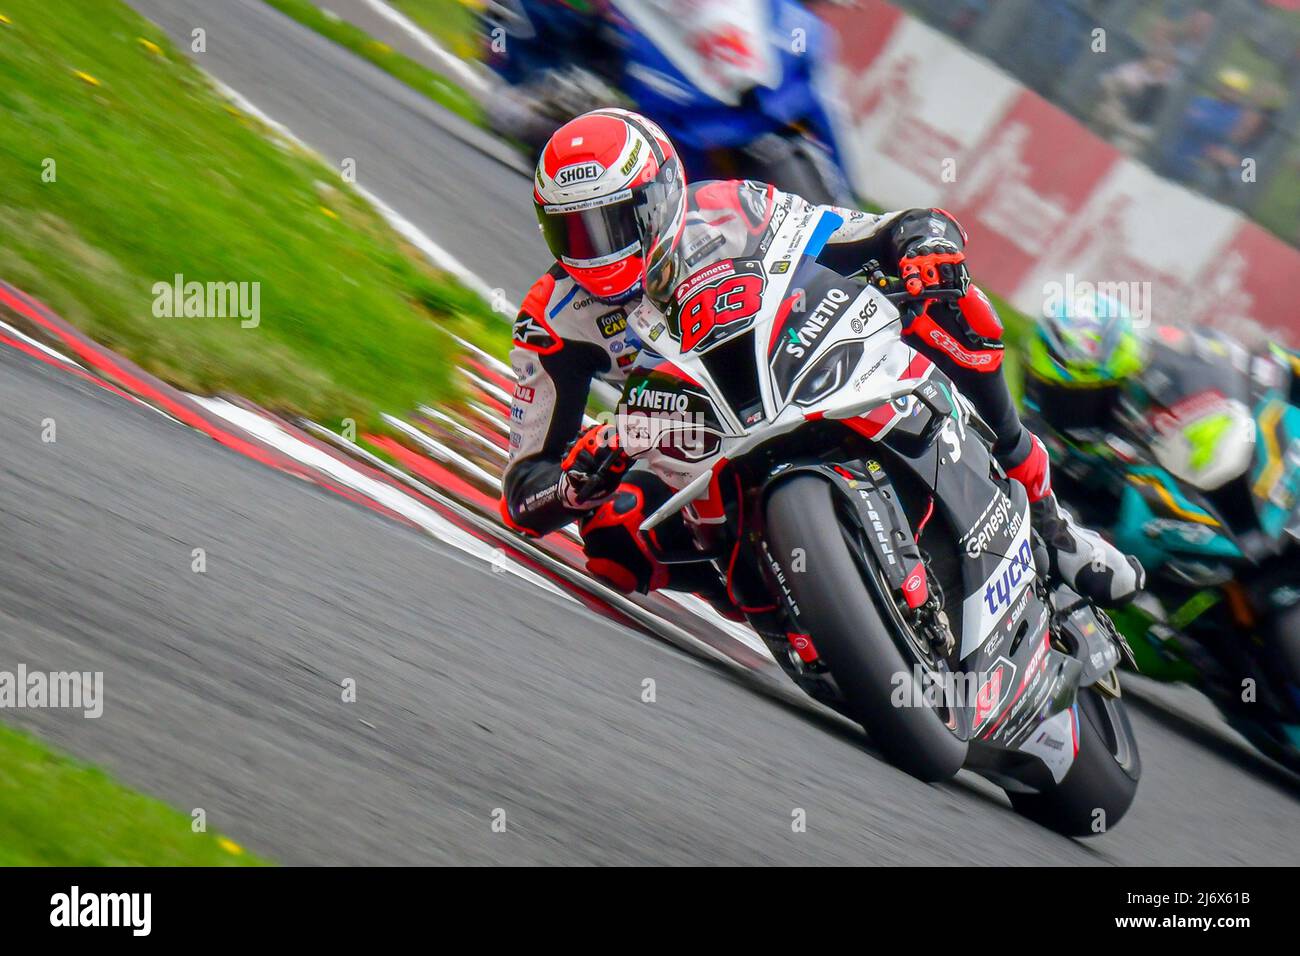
[822, 348]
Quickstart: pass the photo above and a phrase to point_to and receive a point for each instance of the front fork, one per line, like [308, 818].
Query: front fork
[885, 539]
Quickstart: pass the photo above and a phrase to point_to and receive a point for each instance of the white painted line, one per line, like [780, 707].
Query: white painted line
[486, 387]
[463, 70]
[384, 494]
[240, 101]
[441, 452]
[741, 633]
[435, 253]
[490, 447]
[37, 344]
[488, 358]
[487, 415]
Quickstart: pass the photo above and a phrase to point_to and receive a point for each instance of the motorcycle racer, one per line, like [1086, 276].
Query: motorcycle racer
[737, 101]
[616, 213]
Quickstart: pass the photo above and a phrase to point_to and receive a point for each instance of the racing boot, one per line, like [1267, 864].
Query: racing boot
[1079, 556]
[1085, 560]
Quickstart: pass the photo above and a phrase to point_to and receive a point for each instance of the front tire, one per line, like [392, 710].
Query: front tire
[839, 611]
[1101, 784]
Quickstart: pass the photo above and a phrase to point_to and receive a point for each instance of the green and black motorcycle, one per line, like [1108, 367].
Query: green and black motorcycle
[1195, 469]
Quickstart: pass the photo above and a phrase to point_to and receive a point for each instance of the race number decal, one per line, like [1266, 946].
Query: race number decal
[710, 304]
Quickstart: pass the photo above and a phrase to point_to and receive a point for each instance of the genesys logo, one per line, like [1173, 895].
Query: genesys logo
[997, 520]
[577, 173]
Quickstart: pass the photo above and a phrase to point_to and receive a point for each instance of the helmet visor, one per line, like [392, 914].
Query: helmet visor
[592, 233]
[643, 220]
[661, 212]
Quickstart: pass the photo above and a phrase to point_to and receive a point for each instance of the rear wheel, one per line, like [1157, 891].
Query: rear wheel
[1286, 641]
[1101, 784]
[1277, 734]
[804, 170]
[849, 632]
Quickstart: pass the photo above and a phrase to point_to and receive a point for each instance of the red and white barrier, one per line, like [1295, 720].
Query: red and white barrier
[1047, 201]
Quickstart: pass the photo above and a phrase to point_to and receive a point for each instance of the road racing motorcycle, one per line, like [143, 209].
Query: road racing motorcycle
[1200, 479]
[847, 494]
[736, 85]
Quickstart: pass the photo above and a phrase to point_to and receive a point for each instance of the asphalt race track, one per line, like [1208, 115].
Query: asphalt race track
[475, 690]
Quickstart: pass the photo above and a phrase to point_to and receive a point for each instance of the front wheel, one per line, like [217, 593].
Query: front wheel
[840, 613]
[1100, 785]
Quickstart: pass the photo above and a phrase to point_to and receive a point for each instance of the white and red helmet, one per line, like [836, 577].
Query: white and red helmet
[610, 195]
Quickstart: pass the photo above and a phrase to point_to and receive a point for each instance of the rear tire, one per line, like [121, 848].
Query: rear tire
[810, 176]
[1103, 780]
[1286, 640]
[839, 610]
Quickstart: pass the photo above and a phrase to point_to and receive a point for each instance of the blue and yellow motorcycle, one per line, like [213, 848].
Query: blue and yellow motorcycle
[1200, 479]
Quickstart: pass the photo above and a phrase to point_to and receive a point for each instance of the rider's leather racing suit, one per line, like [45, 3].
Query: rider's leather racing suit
[564, 337]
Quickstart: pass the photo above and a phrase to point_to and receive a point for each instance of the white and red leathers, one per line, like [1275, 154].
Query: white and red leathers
[565, 337]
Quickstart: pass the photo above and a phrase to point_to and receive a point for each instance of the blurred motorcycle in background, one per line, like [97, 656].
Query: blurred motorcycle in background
[1199, 477]
[736, 85]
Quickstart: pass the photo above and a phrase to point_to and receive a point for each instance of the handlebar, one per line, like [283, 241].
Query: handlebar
[895, 290]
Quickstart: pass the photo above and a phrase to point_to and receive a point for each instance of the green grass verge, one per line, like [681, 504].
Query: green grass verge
[413, 74]
[55, 811]
[124, 168]
[451, 22]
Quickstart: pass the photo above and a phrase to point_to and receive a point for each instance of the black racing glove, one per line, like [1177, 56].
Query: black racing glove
[592, 468]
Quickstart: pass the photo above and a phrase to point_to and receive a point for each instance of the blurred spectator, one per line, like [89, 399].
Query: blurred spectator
[967, 17]
[1191, 36]
[1165, 104]
[1217, 132]
[1291, 67]
[1060, 31]
[1132, 96]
